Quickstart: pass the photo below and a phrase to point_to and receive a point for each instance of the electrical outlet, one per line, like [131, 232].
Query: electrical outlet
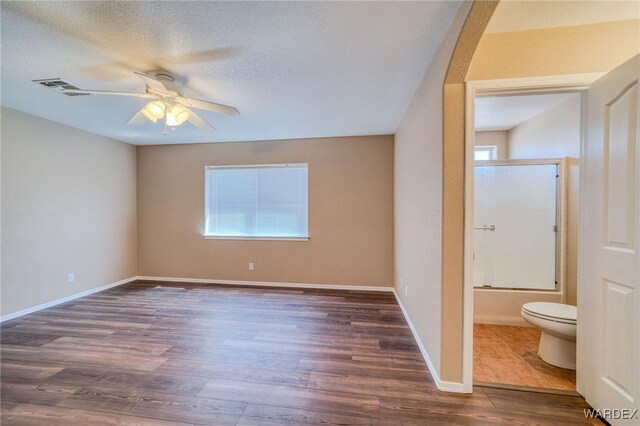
[404, 287]
[251, 266]
[71, 278]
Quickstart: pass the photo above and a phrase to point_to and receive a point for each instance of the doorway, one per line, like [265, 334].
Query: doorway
[517, 232]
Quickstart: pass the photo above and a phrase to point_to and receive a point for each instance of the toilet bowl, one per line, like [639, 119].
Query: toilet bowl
[557, 322]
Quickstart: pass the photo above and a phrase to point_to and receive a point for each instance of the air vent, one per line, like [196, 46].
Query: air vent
[59, 85]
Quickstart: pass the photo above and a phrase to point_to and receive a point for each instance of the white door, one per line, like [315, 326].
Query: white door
[609, 292]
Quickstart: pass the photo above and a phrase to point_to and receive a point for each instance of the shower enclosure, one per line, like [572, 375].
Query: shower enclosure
[518, 218]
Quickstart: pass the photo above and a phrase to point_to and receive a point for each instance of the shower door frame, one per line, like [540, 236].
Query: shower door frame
[570, 83]
[561, 222]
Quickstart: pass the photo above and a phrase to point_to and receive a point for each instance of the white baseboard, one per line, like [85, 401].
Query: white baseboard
[500, 320]
[65, 299]
[268, 284]
[454, 387]
[191, 280]
[441, 384]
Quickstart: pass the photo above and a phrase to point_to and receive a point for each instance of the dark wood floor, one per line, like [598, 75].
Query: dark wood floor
[144, 354]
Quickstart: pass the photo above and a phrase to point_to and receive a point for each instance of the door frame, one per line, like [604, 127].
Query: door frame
[547, 84]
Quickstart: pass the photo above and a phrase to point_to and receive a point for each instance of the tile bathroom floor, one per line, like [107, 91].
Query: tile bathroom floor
[509, 355]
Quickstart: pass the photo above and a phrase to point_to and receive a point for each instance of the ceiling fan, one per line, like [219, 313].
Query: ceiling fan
[168, 103]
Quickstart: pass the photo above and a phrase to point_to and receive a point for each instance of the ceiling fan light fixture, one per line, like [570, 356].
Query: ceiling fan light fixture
[176, 115]
[154, 111]
[167, 102]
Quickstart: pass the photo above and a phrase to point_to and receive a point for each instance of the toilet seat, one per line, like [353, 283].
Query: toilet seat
[556, 312]
[557, 324]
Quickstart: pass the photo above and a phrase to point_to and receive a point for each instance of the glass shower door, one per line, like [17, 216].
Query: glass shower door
[516, 226]
[484, 263]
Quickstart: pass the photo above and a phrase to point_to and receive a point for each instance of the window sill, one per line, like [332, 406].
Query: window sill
[232, 237]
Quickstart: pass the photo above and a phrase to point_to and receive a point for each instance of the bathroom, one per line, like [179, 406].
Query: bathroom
[526, 185]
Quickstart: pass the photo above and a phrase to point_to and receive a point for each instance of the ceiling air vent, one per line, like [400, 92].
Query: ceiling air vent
[59, 85]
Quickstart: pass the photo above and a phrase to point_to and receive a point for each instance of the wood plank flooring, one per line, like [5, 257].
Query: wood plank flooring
[150, 354]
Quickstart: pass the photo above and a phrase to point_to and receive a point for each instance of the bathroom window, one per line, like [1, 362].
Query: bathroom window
[485, 153]
[257, 202]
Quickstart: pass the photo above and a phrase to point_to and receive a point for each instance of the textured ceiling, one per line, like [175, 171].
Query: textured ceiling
[506, 112]
[518, 15]
[293, 69]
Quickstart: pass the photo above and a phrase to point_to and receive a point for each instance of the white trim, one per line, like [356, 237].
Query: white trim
[513, 86]
[522, 162]
[253, 166]
[268, 284]
[517, 290]
[441, 385]
[552, 83]
[250, 166]
[65, 299]
[562, 220]
[468, 288]
[249, 238]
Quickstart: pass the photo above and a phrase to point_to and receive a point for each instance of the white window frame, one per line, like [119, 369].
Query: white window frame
[492, 149]
[245, 237]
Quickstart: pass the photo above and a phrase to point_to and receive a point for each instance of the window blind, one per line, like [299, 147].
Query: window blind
[257, 201]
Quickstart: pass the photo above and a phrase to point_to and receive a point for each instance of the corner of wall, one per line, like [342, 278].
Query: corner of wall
[420, 134]
[137, 208]
[90, 190]
[470, 29]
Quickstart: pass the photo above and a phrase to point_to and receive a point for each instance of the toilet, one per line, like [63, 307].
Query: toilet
[558, 325]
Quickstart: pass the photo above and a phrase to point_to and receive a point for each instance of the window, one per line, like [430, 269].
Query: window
[257, 202]
[485, 153]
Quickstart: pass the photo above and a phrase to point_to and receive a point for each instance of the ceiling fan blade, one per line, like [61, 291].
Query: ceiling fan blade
[105, 92]
[210, 106]
[200, 122]
[152, 82]
[138, 118]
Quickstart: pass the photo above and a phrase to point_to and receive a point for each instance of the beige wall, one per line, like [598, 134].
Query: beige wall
[491, 306]
[555, 51]
[350, 213]
[68, 206]
[500, 139]
[418, 201]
